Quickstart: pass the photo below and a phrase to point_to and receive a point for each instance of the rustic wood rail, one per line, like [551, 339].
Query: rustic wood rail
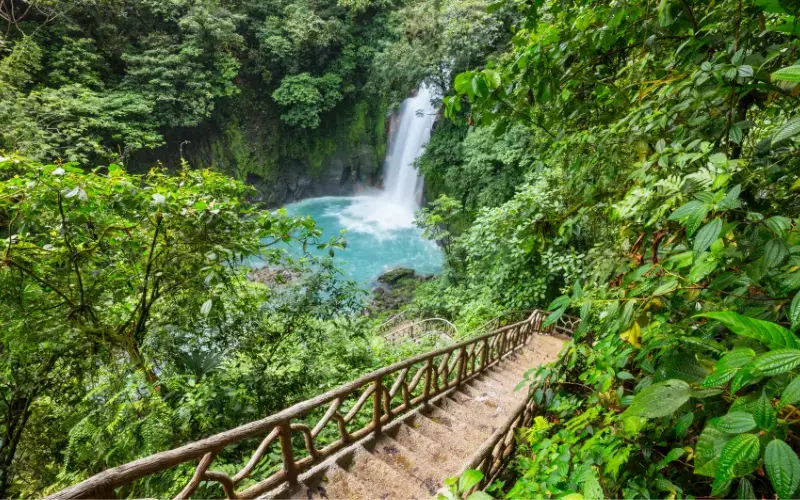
[343, 416]
[424, 328]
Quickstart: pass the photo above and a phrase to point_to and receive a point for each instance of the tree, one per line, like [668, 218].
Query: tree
[105, 268]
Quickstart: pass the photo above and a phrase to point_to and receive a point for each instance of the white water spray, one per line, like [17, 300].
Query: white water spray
[403, 183]
[384, 212]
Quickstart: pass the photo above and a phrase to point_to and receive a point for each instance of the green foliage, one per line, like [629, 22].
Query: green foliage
[304, 98]
[660, 163]
[130, 326]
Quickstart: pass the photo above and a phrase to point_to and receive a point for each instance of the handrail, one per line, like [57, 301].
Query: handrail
[420, 329]
[392, 390]
[393, 321]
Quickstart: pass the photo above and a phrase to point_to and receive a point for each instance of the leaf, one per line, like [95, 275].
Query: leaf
[775, 362]
[666, 286]
[741, 448]
[683, 424]
[794, 311]
[774, 252]
[206, 307]
[774, 336]
[778, 224]
[708, 449]
[633, 336]
[158, 199]
[706, 236]
[736, 358]
[672, 455]
[591, 487]
[788, 130]
[783, 468]
[787, 74]
[734, 422]
[660, 399]
[764, 414]
[720, 377]
[745, 71]
[791, 394]
[736, 132]
[745, 490]
[468, 479]
[480, 495]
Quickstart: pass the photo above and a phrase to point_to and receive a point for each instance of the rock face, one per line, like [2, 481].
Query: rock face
[396, 288]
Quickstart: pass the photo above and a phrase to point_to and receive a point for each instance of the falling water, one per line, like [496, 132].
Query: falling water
[380, 226]
[416, 119]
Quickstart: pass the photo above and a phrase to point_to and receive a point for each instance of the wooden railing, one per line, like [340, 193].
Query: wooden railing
[326, 423]
[423, 329]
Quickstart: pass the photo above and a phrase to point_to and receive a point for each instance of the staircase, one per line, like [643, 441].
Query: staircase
[413, 457]
[397, 432]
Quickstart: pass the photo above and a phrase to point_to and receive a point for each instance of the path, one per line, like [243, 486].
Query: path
[412, 458]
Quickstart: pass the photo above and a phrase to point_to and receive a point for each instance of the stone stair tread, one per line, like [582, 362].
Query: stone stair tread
[385, 479]
[490, 387]
[480, 391]
[468, 432]
[418, 442]
[491, 412]
[439, 434]
[333, 483]
[504, 376]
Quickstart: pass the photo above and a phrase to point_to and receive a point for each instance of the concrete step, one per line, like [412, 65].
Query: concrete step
[489, 412]
[419, 443]
[485, 393]
[468, 432]
[333, 483]
[387, 481]
[441, 434]
[424, 470]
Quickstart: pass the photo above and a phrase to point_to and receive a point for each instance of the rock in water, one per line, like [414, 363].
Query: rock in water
[396, 275]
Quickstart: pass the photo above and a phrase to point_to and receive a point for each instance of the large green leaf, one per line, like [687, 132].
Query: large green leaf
[764, 414]
[742, 448]
[794, 311]
[708, 449]
[789, 129]
[736, 358]
[745, 490]
[706, 236]
[776, 362]
[783, 468]
[591, 487]
[774, 336]
[787, 74]
[735, 422]
[791, 394]
[660, 399]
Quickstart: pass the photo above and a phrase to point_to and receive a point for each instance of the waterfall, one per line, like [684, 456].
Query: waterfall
[413, 132]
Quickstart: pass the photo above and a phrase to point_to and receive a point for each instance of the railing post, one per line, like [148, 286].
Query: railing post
[287, 453]
[376, 407]
[484, 353]
[462, 364]
[426, 390]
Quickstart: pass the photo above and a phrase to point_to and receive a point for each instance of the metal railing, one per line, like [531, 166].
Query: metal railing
[335, 418]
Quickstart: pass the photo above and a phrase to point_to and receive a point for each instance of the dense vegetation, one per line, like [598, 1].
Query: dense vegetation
[129, 325]
[250, 86]
[635, 163]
